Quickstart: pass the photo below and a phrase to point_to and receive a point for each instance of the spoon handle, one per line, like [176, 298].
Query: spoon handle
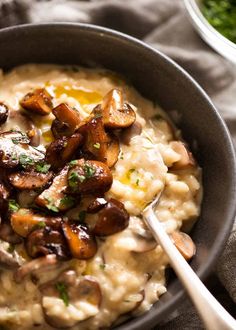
[214, 316]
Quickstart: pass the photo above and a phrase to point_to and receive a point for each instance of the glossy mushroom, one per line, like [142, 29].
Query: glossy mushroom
[111, 219]
[81, 241]
[62, 150]
[101, 145]
[25, 220]
[8, 235]
[46, 241]
[29, 180]
[127, 134]
[67, 120]
[74, 293]
[116, 113]
[89, 177]
[39, 102]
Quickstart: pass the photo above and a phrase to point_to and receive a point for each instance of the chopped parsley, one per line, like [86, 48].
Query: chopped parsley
[121, 155]
[97, 145]
[42, 168]
[10, 249]
[102, 266]
[137, 182]
[13, 206]
[72, 163]
[73, 179]
[51, 204]
[127, 301]
[89, 171]
[21, 139]
[25, 160]
[67, 201]
[63, 294]
[41, 224]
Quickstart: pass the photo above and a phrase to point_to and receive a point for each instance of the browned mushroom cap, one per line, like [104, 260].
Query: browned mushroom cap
[3, 113]
[127, 134]
[81, 242]
[62, 150]
[25, 220]
[15, 150]
[39, 101]
[54, 198]
[29, 179]
[73, 292]
[184, 244]
[89, 177]
[96, 205]
[103, 146]
[8, 235]
[43, 263]
[116, 113]
[186, 158]
[46, 241]
[67, 120]
[111, 219]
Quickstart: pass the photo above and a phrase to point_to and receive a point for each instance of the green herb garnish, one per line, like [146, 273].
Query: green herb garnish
[51, 204]
[102, 266]
[132, 170]
[137, 182]
[42, 168]
[72, 163]
[67, 201]
[121, 155]
[89, 171]
[13, 206]
[221, 14]
[62, 289]
[25, 160]
[97, 115]
[11, 248]
[97, 145]
[21, 139]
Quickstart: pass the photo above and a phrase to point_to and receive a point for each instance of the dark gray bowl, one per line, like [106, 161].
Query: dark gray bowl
[161, 80]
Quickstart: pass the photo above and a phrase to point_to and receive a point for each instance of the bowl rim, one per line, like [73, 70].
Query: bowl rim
[150, 316]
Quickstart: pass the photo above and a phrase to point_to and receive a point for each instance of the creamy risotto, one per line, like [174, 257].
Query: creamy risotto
[82, 153]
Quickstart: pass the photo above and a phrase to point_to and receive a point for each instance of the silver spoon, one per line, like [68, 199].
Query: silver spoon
[213, 315]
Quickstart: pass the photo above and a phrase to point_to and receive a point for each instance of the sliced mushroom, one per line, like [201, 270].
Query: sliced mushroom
[127, 134]
[141, 240]
[4, 195]
[25, 220]
[96, 205]
[186, 158]
[62, 150]
[15, 150]
[101, 145]
[54, 198]
[8, 260]
[111, 219]
[39, 101]
[67, 120]
[81, 242]
[43, 263]
[29, 180]
[89, 177]
[46, 241]
[19, 121]
[75, 295]
[116, 113]
[184, 244]
[3, 113]
[8, 235]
